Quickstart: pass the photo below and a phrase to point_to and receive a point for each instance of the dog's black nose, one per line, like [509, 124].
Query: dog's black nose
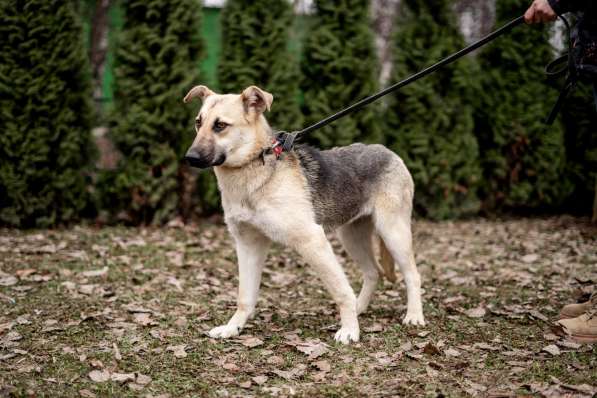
[195, 160]
[201, 161]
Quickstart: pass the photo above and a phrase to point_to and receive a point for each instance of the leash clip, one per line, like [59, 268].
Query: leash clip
[284, 142]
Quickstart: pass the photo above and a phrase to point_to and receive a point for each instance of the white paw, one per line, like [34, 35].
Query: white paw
[414, 318]
[224, 332]
[346, 335]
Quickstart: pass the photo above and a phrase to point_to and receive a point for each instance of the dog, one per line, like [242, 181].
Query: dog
[362, 191]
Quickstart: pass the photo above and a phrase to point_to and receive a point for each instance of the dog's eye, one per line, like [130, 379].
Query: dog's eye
[219, 126]
[198, 122]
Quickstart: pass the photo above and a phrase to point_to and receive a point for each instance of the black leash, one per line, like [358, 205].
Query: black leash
[286, 140]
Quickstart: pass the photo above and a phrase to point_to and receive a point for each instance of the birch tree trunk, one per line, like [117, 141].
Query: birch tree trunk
[99, 48]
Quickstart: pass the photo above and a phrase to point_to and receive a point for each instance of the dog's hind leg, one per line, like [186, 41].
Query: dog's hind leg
[251, 250]
[392, 222]
[356, 238]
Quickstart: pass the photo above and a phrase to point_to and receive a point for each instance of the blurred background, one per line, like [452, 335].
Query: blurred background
[93, 127]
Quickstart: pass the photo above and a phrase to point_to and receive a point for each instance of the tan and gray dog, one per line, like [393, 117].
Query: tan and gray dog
[363, 191]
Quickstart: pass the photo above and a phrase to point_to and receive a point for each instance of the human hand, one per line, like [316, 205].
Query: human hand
[540, 11]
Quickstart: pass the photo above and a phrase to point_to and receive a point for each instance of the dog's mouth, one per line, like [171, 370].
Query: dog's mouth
[204, 162]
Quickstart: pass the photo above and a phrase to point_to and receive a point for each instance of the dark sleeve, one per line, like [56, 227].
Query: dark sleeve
[564, 6]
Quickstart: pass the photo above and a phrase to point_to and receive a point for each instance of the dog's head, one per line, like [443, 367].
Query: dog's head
[231, 129]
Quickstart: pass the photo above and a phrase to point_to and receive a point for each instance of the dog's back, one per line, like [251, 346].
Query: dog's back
[342, 180]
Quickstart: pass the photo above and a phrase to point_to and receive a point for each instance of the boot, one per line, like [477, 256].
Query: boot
[583, 328]
[574, 310]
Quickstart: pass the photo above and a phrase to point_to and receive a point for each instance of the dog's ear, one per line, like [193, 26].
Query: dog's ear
[256, 99]
[198, 92]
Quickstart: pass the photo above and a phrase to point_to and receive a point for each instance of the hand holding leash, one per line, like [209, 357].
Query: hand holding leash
[540, 11]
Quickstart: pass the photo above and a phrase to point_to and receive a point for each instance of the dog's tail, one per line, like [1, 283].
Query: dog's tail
[387, 262]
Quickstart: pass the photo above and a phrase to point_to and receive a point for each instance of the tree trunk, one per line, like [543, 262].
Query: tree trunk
[383, 13]
[99, 48]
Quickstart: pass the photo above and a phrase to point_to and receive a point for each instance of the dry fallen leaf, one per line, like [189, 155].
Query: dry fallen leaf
[122, 377]
[552, 349]
[116, 351]
[99, 376]
[178, 350]
[375, 328]
[94, 273]
[451, 352]
[323, 365]
[142, 379]
[231, 367]
[87, 394]
[143, 319]
[313, 348]
[530, 258]
[260, 380]
[478, 312]
[7, 280]
[431, 349]
[251, 341]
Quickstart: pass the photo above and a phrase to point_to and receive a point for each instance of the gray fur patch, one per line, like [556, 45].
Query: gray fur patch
[341, 180]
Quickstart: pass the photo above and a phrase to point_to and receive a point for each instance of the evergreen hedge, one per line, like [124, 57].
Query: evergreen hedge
[255, 51]
[45, 114]
[430, 123]
[523, 159]
[340, 67]
[156, 63]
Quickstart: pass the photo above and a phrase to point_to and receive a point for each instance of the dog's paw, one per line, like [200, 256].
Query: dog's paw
[414, 318]
[346, 335]
[224, 332]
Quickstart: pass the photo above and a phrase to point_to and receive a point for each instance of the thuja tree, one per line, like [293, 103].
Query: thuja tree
[156, 63]
[523, 159]
[339, 67]
[255, 51]
[430, 123]
[45, 114]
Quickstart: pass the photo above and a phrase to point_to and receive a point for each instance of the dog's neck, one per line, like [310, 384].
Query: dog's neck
[250, 176]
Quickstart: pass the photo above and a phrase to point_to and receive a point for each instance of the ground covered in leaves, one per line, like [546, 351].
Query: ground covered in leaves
[123, 312]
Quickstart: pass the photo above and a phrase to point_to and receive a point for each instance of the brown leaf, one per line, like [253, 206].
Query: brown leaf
[116, 351]
[485, 346]
[451, 352]
[275, 360]
[122, 377]
[530, 258]
[477, 312]
[313, 348]
[551, 349]
[260, 380]
[7, 280]
[142, 379]
[323, 365]
[99, 376]
[251, 341]
[231, 367]
[87, 394]
[178, 350]
[431, 349]
[375, 328]
[94, 273]
[144, 319]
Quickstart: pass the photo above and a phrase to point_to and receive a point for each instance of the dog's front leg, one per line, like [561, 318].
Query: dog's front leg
[251, 250]
[312, 244]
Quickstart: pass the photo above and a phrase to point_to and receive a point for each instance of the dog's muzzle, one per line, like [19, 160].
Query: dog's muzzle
[198, 160]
